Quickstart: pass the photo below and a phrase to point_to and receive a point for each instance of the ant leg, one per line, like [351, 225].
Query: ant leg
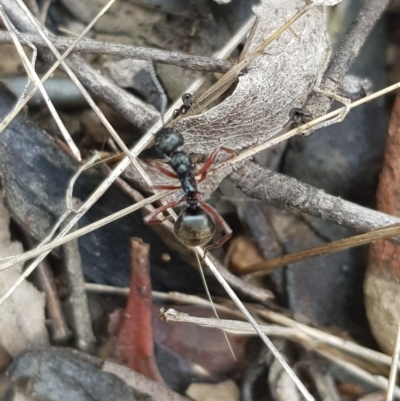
[166, 187]
[152, 217]
[223, 224]
[164, 170]
[210, 160]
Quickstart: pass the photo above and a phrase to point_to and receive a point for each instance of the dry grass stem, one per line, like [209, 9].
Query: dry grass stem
[269, 265]
[61, 240]
[393, 367]
[34, 78]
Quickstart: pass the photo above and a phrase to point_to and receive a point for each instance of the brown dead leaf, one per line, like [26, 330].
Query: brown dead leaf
[271, 86]
[382, 279]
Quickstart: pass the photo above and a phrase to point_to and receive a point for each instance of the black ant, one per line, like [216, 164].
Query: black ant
[187, 101]
[195, 225]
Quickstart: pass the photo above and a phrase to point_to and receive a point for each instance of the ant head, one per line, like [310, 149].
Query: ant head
[187, 100]
[194, 227]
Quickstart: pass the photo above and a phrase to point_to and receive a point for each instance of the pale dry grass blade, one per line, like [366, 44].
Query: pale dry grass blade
[34, 78]
[203, 278]
[393, 367]
[63, 239]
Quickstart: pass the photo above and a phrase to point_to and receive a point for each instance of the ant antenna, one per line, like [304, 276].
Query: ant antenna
[160, 90]
[203, 277]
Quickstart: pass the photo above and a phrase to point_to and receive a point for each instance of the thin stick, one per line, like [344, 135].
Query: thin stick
[35, 78]
[393, 367]
[269, 265]
[245, 328]
[231, 326]
[203, 278]
[90, 46]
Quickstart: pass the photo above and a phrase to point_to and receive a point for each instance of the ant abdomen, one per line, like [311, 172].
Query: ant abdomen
[194, 227]
[167, 141]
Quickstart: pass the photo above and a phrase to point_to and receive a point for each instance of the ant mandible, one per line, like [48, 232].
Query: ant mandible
[195, 225]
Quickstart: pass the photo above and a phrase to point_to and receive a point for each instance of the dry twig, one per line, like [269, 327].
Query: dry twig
[90, 46]
[291, 194]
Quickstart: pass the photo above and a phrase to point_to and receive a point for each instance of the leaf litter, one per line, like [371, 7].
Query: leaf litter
[258, 122]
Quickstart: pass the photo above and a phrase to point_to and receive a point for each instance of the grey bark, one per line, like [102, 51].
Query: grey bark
[290, 194]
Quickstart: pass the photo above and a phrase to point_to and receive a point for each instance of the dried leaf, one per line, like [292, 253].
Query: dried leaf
[22, 317]
[271, 86]
[381, 285]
